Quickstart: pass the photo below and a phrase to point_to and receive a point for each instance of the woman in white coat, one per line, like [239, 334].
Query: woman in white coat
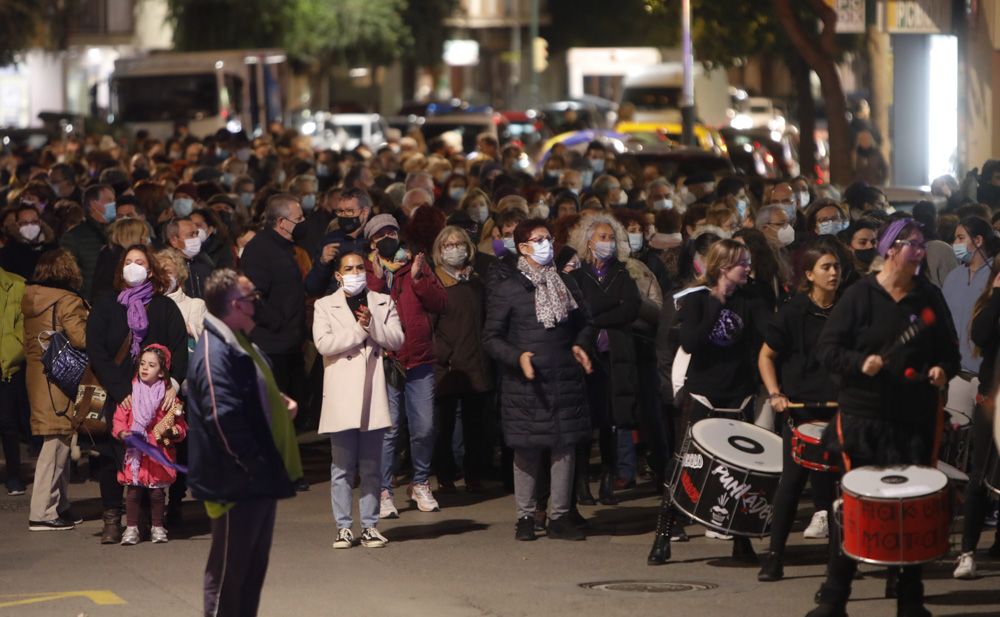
[351, 329]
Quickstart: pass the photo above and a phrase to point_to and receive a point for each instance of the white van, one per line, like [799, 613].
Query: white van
[655, 94]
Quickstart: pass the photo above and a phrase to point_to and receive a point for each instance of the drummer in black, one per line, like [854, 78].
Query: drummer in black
[791, 372]
[889, 385]
[720, 327]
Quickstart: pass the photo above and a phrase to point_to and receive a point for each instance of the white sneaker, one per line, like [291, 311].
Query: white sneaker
[130, 537]
[818, 526]
[371, 538]
[715, 535]
[158, 535]
[345, 539]
[422, 495]
[386, 508]
[966, 568]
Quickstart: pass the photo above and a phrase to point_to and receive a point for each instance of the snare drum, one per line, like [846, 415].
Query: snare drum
[895, 515]
[957, 439]
[727, 475]
[807, 451]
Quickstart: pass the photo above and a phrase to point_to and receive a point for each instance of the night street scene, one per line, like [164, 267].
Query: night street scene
[499, 308]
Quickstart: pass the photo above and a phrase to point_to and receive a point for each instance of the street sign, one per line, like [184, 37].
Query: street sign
[918, 16]
[850, 15]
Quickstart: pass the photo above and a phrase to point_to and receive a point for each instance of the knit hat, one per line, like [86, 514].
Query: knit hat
[378, 223]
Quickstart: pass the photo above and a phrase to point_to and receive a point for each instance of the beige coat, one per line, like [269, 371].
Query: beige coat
[348, 353]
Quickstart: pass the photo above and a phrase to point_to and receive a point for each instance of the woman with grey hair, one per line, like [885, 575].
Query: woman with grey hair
[613, 299]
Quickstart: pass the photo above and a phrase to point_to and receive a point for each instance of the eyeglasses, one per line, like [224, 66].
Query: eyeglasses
[540, 239]
[913, 244]
[453, 245]
[347, 212]
[295, 221]
[829, 219]
[253, 296]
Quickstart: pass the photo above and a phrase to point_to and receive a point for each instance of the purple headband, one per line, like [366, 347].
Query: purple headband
[892, 233]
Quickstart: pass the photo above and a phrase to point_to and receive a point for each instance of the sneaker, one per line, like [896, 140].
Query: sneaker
[525, 529]
[301, 485]
[679, 535]
[371, 538]
[130, 537]
[15, 487]
[991, 519]
[966, 568]
[424, 498]
[345, 538]
[715, 535]
[818, 527]
[562, 528]
[541, 521]
[158, 535]
[386, 508]
[69, 515]
[56, 524]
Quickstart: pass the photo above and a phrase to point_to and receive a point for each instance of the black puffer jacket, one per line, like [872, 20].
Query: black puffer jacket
[613, 304]
[552, 409]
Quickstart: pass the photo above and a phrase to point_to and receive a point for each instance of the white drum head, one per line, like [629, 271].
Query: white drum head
[894, 482]
[740, 443]
[958, 418]
[813, 430]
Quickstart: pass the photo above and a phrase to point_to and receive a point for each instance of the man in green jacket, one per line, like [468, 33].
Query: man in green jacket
[13, 395]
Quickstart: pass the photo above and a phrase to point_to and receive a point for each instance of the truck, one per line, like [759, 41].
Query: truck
[239, 90]
[653, 94]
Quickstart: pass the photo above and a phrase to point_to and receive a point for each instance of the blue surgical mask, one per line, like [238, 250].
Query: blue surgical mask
[604, 250]
[829, 228]
[597, 165]
[183, 206]
[322, 170]
[663, 204]
[635, 241]
[741, 207]
[456, 193]
[541, 252]
[110, 211]
[508, 243]
[962, 253]
[308, 202]
[227, 180]
[246, 199]
[586, 177]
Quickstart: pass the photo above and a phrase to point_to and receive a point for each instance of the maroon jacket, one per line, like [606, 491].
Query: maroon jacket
[415, 301]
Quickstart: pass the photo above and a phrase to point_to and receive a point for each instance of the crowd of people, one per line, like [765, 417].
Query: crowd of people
[450, 315]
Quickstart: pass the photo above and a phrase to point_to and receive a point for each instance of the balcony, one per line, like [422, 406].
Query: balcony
[97, 20]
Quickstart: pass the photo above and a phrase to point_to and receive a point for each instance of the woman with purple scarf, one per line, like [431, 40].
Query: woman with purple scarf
[132, 316]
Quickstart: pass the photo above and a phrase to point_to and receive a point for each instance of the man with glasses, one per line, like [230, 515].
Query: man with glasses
[353, 210]
[269, 262]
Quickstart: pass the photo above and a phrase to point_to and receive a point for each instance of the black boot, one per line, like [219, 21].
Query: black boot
[892, 582]
[771, 569]
[112, 532]
[829, 603]
[743, 550]
[582, 476]
[910, 589]
[659, 554]
[606, 491]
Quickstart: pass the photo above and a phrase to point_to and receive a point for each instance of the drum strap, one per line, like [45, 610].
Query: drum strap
[843, 450]
[938, 430]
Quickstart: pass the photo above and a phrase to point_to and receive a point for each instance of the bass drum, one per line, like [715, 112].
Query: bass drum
[895, 515]
[727, 475]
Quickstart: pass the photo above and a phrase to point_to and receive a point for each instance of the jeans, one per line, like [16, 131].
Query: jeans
[356, 451]
[527, 468]
[418, 397]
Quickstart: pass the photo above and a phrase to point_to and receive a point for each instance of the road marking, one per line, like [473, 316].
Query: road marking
[99, 597]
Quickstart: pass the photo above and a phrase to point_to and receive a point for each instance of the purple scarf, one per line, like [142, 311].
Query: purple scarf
[135, 299]
[145, 401]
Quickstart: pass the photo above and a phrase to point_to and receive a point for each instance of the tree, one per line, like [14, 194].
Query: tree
[34, 23]
[599, 23]
[203, 25]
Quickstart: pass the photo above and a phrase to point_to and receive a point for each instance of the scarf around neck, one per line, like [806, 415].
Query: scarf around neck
[146, 399]
[553, 302]
[135, 299]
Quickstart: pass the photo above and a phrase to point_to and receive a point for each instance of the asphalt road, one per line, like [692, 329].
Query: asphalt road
[459, 562]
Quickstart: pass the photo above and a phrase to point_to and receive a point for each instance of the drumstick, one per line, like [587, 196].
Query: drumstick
[825, 405]
[927, 319]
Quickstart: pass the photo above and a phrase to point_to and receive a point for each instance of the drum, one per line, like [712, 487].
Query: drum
[957, 439]
[727, 475]
[895, 515]
[807, 451]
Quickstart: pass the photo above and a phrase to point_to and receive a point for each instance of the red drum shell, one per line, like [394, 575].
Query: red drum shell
[807, 451]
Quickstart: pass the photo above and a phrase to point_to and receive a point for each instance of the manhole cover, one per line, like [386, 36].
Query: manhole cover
[647, 586]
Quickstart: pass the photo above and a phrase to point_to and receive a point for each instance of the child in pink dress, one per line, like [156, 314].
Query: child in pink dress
[139, 417]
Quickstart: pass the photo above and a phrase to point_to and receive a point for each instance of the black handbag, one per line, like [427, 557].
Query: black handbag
[62, 363]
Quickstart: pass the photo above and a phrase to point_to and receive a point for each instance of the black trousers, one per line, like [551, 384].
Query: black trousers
[790, 487]
[977, 498]
[13, 411]
[476, 416]
[237, 560]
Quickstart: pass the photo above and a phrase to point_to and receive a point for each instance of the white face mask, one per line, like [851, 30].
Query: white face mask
[804, 198]
[663, 204]
[134, 274]
[604, 250]
[239, 251]
[202, 235]
[622, 198]
[786, 235]
[479, 214]
[541, 211]
[541, 252]
[635, 241]
[31, 231]
[455, 256]
[354, 283]
[173, 285]
[192, 246]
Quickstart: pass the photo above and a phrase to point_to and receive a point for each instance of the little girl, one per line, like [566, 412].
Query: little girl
[141, 418]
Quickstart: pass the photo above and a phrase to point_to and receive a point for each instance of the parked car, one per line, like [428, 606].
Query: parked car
[353, 130]
[672, 162]
[782, 148]
[468, 126]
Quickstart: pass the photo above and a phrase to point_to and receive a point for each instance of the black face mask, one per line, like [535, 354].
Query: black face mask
[299, 233]
[865, 256]
[387, 247]
[349, 224]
